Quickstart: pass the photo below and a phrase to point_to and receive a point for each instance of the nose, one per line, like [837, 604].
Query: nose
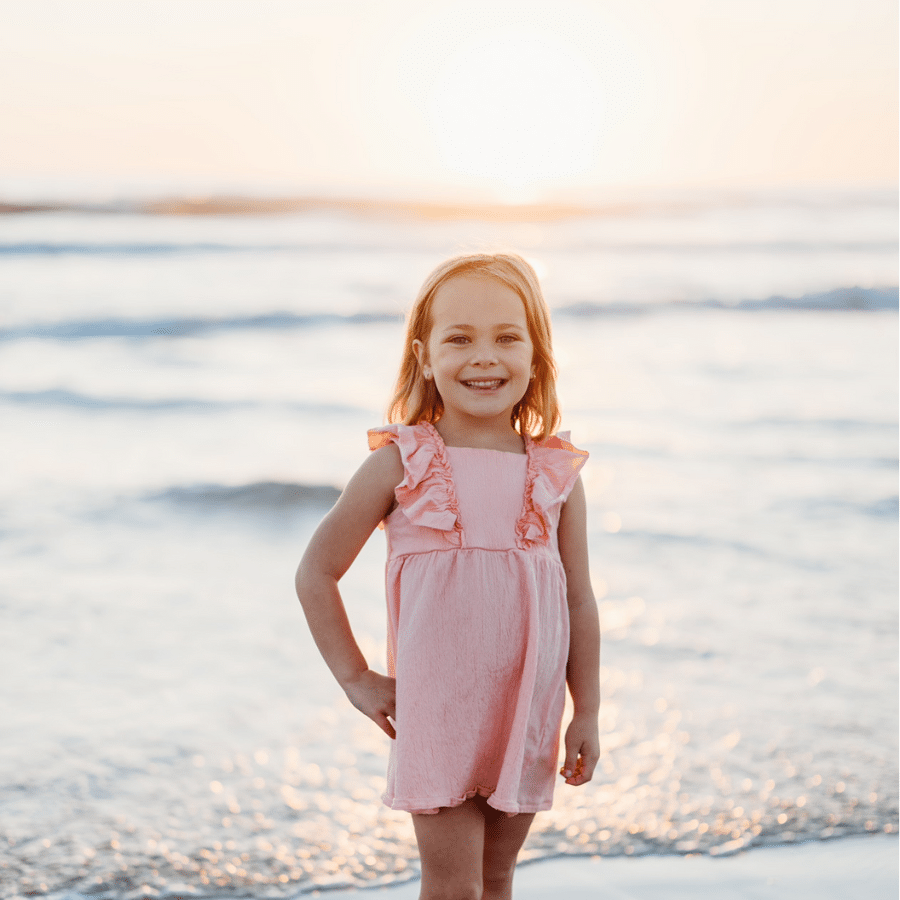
[484, 354]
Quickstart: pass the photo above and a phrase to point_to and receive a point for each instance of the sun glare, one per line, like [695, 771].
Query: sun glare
[517, 108]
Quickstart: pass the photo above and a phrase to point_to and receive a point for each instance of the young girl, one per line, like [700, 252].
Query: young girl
[489, 598]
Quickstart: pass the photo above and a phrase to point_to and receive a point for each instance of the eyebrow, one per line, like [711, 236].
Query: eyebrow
[503, 326]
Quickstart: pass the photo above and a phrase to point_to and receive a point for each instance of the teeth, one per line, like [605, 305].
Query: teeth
[495, 382]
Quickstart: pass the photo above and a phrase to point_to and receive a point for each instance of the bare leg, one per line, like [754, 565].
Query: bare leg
[451, 845]
[503, 838]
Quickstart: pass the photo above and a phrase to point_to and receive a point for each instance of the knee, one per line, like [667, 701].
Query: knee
[498, 878]
[455, 891]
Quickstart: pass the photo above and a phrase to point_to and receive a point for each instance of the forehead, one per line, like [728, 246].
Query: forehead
[476, 300]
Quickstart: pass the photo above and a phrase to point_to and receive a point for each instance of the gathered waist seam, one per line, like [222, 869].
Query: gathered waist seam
[517, 550]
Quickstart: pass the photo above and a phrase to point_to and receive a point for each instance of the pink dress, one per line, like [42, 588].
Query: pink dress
[478, 625]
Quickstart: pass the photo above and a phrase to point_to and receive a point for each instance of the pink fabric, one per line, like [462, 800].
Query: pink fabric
[478, 627]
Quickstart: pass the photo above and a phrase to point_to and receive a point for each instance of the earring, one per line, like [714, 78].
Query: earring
[426, 371]
[533, 373]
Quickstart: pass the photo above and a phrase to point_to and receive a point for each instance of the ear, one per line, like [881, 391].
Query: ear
[420, 351]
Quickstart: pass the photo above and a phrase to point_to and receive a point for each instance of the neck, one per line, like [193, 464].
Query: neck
[480, 434]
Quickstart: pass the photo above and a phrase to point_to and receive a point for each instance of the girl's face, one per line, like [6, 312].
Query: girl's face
[479, 351]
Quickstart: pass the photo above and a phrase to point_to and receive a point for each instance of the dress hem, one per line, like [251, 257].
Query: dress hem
[431, 806]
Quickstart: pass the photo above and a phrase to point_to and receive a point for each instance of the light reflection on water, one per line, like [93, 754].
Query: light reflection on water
[210, 748]
[264, 780]
[170, 727]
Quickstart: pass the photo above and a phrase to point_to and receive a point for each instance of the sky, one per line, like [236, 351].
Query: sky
[432, 98]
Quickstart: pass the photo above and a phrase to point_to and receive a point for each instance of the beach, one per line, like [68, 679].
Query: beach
[184, 393]
[837, 870]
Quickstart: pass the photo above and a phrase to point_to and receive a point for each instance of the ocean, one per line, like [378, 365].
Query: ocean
[184, 390]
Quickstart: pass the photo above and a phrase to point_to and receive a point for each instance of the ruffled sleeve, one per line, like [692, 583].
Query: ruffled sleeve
[553, 467]
[426, 493]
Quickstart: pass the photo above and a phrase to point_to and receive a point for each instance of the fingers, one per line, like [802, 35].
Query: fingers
[579, 772]
[375, 696]
[581, 760]
[573, 772]
[584, 769]
[571, 766]
[384, 723]
[385, 714]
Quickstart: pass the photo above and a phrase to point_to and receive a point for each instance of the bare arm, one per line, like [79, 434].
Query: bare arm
[335, 544]
[583, 669]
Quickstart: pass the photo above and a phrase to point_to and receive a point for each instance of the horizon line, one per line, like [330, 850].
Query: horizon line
[235, 202]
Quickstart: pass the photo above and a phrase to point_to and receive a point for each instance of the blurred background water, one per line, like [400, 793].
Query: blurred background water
[183, 397]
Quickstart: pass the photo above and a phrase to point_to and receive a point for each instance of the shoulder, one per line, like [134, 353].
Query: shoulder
[421, 450]
[382, 469]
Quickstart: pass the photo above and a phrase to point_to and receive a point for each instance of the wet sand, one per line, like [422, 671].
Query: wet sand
[843, 869]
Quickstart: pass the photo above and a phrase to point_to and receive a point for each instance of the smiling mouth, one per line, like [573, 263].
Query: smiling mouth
[485, 384]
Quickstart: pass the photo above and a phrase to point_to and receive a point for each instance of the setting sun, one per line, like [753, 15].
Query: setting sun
[517, 108]
[511, 100]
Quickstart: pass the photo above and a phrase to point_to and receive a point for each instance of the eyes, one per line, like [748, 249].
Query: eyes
[462, 339]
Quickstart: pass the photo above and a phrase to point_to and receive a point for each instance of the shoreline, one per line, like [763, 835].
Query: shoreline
[835, 869]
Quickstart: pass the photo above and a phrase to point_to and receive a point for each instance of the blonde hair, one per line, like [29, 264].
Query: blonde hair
[417, 399]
